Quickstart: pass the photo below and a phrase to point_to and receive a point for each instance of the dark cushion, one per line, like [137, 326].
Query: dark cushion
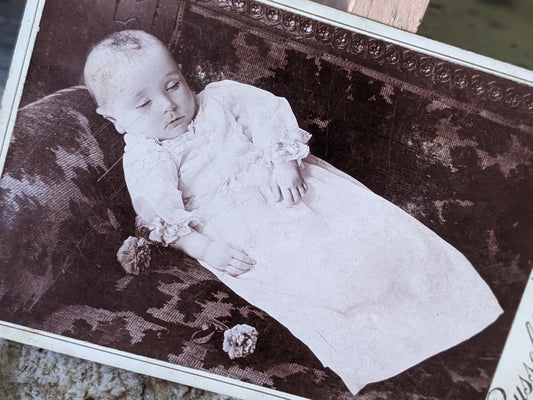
[54, 195]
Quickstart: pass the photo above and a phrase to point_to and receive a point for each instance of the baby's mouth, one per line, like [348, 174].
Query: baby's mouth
[173, 122]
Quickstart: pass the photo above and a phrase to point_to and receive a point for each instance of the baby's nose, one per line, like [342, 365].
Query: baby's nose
[169, 105]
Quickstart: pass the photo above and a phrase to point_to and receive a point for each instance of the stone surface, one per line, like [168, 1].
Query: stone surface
[28, 372]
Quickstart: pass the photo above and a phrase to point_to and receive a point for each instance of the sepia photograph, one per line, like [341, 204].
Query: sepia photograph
[252, 193]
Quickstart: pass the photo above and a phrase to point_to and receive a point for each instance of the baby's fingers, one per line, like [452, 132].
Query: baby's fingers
[300, 188]
[236, 247]
[236, 267]
[295, 193]
[240, 265]
[244, 258]
[287, 196]
[276, 192]
[303, 186]
[240, 255]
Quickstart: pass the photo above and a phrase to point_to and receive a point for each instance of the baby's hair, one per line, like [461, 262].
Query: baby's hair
[113, 44]
[124, 40]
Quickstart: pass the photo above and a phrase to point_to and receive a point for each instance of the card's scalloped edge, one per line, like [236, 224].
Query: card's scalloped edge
[405, 39]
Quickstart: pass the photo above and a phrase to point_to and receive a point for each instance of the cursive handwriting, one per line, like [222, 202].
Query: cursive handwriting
[523, 386]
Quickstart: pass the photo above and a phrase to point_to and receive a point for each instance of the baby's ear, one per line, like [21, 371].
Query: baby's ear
[103, 113]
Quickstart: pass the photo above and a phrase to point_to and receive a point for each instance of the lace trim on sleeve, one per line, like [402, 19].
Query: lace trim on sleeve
[289, 148]
[165, 233]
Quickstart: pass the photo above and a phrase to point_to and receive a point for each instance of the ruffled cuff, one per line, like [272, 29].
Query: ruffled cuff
[162, 232]
[289, 148]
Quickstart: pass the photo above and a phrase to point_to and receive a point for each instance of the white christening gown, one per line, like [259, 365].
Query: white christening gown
[368, 288]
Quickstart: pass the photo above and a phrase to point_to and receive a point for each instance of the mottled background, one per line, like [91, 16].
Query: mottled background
[448, 145]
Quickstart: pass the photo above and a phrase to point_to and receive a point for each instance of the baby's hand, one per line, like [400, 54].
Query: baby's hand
[228, 258]
[287, 183]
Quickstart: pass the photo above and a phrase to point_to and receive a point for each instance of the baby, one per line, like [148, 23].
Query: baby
[365, 286]
[138, 86]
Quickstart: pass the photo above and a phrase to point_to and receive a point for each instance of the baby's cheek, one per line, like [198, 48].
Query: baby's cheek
[149, 128]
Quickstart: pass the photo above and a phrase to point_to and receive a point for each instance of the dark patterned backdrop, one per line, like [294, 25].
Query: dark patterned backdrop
[450, 145]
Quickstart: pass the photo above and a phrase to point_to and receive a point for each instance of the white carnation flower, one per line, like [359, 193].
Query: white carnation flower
[240, 341]
[134, 255]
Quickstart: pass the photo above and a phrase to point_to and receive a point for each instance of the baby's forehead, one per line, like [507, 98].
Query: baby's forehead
[112, 72]
[107, 66]
[107, 60]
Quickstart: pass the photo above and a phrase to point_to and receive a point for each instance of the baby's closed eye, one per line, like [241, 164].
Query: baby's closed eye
[144, 103]
[172, 85]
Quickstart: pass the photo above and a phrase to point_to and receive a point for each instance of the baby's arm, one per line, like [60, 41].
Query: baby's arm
[268, 121]
[152, 180]
[287, 184]
[223, 256]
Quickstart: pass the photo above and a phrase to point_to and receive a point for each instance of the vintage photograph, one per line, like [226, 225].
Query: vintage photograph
[240, 189]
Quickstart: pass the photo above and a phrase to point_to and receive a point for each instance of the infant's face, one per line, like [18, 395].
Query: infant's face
[148, 95]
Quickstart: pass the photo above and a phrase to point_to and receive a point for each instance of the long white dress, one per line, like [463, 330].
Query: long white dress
[369, 289]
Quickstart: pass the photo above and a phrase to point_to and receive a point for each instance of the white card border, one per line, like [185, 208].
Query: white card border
[144, 365]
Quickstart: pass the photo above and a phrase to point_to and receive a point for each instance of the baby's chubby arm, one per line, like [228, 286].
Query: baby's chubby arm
[223, 256]
[287, 183]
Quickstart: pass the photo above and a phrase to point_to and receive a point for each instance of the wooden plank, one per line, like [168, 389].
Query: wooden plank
[402, 14]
